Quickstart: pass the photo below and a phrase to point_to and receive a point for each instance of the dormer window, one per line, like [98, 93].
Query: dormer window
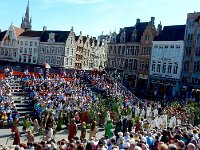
[122, 40]
[133, 38]
[114, 40]
[51, 37]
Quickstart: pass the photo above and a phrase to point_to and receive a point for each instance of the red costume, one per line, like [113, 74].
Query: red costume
[72, 130]
[16, 138]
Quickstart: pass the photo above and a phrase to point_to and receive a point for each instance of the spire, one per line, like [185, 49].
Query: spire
[26, 20]
[27, 12]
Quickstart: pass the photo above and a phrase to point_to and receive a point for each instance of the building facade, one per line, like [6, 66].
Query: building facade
[28, 47]
[9, 43]
[124, 51]
[145, 56]
[57, 48]
[166, 62]
[191, 61]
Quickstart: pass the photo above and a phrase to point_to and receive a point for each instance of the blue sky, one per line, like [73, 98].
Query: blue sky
[94, 16]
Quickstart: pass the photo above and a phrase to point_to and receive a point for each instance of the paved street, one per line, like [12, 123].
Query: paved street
[6, 133]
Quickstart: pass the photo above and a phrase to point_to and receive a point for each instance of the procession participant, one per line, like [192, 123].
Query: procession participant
[16, 137]
[108, 129]
[30, 137]
[72, 129]
[36, 126]
[60, 121]
[172, 122]
[93, 130]
[83, 131]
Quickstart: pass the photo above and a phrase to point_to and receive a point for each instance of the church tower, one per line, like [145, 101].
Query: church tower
[26, 22]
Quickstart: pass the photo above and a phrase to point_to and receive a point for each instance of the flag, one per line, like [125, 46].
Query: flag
[47, 66]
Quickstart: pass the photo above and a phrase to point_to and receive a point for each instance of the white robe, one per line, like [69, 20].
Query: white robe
[137, 111]
[155, 111]
[172, 122]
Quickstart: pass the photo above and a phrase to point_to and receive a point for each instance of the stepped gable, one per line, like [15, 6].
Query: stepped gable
[32, 33]
[140, 27]
[2, 34]
[171, 33]
[60, 36]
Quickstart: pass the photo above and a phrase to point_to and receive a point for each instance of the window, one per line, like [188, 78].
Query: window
[30, 51]
[169, 68]
[178, 46]
[153, 68]
[72, 51]
[67, 61]
[2, 51]
[29, 59]
[164, 68]
[175, 68]
[196, 67]
[71, 40]
[147, 37]
[47, 49]
[160, 47]
[20, 58]
[156, 46]
[10, 34]
[158, 67]
[31, 43]
[34, 60]
[59, 50]
[15, 53]
[35, 50]
[35, 44]
[26, 43]
[70, 63]
[172, 46]
[126, 63]
[24, 58]
[21, 50]
[21, 43]
[6, 52]
[130, 64]
[166, 46]
[25, 50]
[58, 61]
[142, 65]
[123, 50]
[119, 50]
[197, 51]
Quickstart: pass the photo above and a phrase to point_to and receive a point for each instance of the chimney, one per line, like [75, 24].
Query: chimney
[159, 29]
[120, 30]
[137, 20]
[152, 21]
[44, 28]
